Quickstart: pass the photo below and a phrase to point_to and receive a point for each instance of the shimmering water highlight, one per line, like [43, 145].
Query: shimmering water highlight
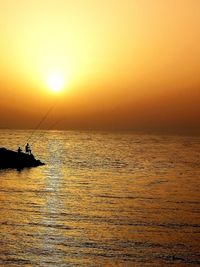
[102, 199]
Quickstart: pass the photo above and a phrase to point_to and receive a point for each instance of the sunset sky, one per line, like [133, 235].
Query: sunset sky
[124, 65]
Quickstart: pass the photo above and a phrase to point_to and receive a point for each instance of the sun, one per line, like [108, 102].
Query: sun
[55, 82]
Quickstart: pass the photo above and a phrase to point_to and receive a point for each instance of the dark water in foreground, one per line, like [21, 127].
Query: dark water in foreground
[103, 199]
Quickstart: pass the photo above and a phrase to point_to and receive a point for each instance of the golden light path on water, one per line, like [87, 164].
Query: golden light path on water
[102, 199]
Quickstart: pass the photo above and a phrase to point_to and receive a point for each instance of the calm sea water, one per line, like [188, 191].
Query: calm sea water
[102, 199]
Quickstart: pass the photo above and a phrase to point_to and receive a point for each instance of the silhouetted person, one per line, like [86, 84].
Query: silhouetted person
[27, 149]
[19, 150]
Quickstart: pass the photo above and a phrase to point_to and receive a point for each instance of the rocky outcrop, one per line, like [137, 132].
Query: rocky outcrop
[15, 160]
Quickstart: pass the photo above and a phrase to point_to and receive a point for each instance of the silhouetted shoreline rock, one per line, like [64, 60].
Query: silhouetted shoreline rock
[11, 159]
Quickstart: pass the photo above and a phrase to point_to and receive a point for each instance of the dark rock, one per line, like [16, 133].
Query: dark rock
[15, 160]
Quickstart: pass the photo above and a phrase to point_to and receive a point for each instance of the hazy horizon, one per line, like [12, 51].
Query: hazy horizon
[131, 65]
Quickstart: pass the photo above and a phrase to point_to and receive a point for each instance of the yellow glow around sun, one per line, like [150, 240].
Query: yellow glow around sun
[55, 82]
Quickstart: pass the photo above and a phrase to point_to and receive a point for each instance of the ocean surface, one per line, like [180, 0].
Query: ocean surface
[102, 199]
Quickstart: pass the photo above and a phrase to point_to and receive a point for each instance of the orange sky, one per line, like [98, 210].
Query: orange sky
[131, 64]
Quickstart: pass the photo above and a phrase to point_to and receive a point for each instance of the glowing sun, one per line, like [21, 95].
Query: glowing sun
[55, 82]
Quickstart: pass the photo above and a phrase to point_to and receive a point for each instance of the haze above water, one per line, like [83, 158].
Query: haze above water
[102, 199]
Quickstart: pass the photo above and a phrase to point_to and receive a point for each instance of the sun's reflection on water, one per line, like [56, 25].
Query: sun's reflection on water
[102, 198]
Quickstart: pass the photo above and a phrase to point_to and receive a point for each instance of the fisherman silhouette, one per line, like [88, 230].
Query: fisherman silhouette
[19, 150]
[27, 149]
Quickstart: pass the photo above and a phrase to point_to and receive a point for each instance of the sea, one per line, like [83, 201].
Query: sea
[102, 199]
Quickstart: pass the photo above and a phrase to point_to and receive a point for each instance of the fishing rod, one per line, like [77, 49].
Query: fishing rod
[39, 124]
[41, 134]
